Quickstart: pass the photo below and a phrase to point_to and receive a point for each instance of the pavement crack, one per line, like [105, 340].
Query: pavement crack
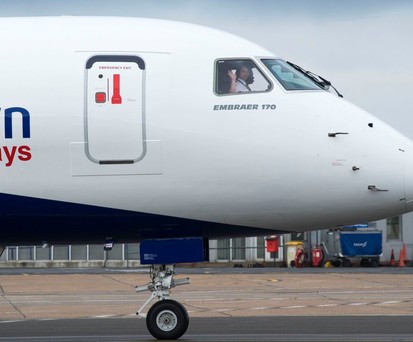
[117, 280]
[224, 313]
[3, 295]
[12, 305]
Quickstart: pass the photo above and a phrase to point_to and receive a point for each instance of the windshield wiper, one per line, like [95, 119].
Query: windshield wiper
[322, 82]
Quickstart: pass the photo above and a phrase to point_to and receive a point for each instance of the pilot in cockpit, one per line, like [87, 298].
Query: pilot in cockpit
[241, 79]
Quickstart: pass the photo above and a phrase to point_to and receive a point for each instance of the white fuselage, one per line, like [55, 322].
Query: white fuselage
[260, 160]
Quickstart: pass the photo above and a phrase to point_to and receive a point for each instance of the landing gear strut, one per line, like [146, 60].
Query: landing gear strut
[167, 319]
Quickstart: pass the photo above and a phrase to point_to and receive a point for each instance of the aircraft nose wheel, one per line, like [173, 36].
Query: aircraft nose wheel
[167, 320]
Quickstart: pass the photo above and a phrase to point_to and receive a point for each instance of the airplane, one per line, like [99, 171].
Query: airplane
[169, 133]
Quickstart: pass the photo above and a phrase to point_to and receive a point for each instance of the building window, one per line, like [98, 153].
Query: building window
[115, 253]
[238, 249]
[79, 252]
[12, 253]
[26, 253]
[96, 252]
[224, 246]
[260, 247]
[132, 251]
[60, 252]
[44, 253]
[393, 228]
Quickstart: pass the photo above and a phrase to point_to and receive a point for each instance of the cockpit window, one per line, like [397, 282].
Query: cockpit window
[290, 78]
[239, 76]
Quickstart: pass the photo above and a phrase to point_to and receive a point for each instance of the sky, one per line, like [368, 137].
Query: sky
[364, 47]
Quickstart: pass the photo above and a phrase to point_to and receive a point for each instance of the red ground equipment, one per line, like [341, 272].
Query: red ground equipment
[317, 256]
[300, 257]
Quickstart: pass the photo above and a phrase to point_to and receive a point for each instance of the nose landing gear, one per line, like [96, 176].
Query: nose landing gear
[167, 319]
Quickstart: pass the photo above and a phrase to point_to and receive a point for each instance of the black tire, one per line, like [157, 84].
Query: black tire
[347, 263]
[364, 262]
[167, 320]
[336, 263]
[375, 262]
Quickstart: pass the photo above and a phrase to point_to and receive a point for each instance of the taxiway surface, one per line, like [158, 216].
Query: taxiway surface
[224, 304]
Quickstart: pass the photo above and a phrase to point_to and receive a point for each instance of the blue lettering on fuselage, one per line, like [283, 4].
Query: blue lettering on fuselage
[8, 122]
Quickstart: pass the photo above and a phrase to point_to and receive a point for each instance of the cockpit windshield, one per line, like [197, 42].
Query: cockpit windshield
[289, 76]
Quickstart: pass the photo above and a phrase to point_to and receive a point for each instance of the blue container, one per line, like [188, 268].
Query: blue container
[361, 243]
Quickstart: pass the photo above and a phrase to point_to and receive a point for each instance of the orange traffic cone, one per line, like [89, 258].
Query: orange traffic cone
[392, 262]
[404, 252]
[401, 259]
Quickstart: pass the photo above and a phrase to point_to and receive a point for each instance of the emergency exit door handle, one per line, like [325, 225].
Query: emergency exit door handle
[116, 98]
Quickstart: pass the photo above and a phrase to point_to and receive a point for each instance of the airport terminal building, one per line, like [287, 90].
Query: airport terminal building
[251, 251]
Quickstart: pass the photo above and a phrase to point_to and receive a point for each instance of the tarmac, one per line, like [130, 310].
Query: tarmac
[258, 295]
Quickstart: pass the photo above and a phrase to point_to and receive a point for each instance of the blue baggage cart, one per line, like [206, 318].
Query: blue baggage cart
[366, 245]
[363, 244]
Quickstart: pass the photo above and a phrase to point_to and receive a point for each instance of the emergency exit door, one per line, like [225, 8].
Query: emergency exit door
[114, 114]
